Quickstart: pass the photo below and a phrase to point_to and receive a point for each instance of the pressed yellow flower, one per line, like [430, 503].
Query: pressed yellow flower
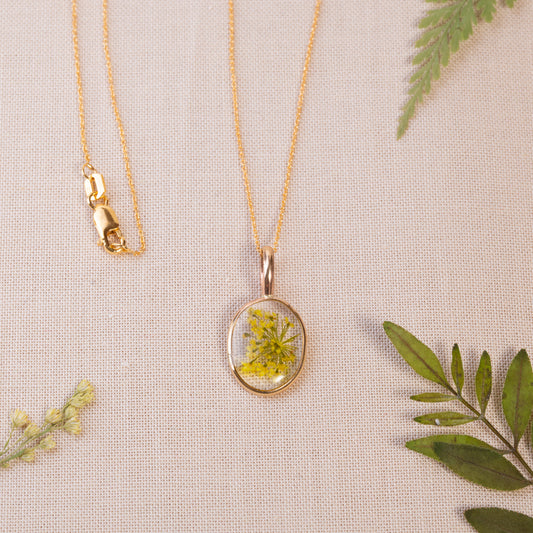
[84, 386]
[32, 430]
[19, 418]
[53, 416]
[271, 349]
[34, 437]
[28, 455]
[88, 397]
[77, 400]
[73, 426]
[47, 443]
[70, 412]
[81, 399]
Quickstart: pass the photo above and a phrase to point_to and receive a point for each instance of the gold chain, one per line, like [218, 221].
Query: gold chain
[299, 106]
[121, 248]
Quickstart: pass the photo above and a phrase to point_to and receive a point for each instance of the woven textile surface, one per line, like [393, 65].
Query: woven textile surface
[433, 232]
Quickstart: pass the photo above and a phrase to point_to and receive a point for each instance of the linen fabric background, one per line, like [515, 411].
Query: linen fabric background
[433, 232]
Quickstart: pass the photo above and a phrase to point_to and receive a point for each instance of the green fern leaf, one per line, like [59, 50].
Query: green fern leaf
[425, 55]
[416, 76]
[486, 9]
[445, 52]
[445, 27]
[435, 70]
[457, 36]
[468, 19]
[429, 36]
[435, 17]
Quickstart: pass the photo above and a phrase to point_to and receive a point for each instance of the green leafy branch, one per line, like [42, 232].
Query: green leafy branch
[445, 27]
[469, 457]
[33, 438]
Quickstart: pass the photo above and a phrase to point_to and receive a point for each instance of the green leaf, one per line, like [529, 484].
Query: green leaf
[487, 8]
[435, 69]
[484, 467]
[433, 397]
[425, 445]
[445, 27]
[484, 382]
[446, 418]
[421, 359]
[428, 37]
[467, 19]
[408, 112]
[436, 16]
[416, 90]
[417, 75]
[517, 397]
[425, 54]
[457, 37]
[458, 374]
[445, 52]
[495, 520]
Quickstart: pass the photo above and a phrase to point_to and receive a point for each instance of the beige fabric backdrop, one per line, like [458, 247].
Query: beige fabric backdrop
[433, 232]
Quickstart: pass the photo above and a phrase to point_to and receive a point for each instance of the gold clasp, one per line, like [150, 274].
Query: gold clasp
[104, 217]
[108, 229]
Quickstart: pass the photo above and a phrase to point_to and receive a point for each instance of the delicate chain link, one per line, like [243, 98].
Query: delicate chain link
[81, 104]
[299, 106]
[118, 119]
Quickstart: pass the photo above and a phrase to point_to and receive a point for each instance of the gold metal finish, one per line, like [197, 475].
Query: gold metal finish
[233, 324]
[299, 106]
[108, 229]
[104, 217]
[267, 252]
[94, 188]
[120, 246]
[267, 270]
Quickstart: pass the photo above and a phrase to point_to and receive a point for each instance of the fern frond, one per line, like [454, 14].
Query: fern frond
[486, 8]
[445, 27]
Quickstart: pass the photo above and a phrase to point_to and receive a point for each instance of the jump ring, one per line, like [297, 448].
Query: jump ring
[87, 166]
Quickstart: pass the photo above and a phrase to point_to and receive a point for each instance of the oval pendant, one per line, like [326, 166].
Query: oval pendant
[266, 339]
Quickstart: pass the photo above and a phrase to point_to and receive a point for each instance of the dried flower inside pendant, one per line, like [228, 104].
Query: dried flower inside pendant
[266, 345]
[266, 339]
[271, 345]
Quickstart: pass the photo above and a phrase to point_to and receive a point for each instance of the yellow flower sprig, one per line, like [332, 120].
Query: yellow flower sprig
[33, 438]
[271, 350]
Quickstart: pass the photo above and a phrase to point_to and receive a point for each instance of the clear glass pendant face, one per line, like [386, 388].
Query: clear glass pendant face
[266, 345]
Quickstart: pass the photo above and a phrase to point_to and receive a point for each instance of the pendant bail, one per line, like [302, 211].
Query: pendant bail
[267, 270]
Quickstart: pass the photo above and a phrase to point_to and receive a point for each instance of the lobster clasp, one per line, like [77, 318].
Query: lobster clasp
[108, 229]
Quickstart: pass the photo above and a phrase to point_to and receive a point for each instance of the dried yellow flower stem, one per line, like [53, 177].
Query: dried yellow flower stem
[35, 437]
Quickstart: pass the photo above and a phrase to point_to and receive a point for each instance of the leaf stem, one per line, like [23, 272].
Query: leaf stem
[512, 449]
[17, 452]
[8, 440]
[13, 445]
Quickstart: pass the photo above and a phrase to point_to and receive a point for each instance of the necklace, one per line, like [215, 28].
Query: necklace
[105, 219]
[267, 338]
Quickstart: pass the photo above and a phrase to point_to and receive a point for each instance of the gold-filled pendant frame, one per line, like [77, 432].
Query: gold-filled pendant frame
[267, 278]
